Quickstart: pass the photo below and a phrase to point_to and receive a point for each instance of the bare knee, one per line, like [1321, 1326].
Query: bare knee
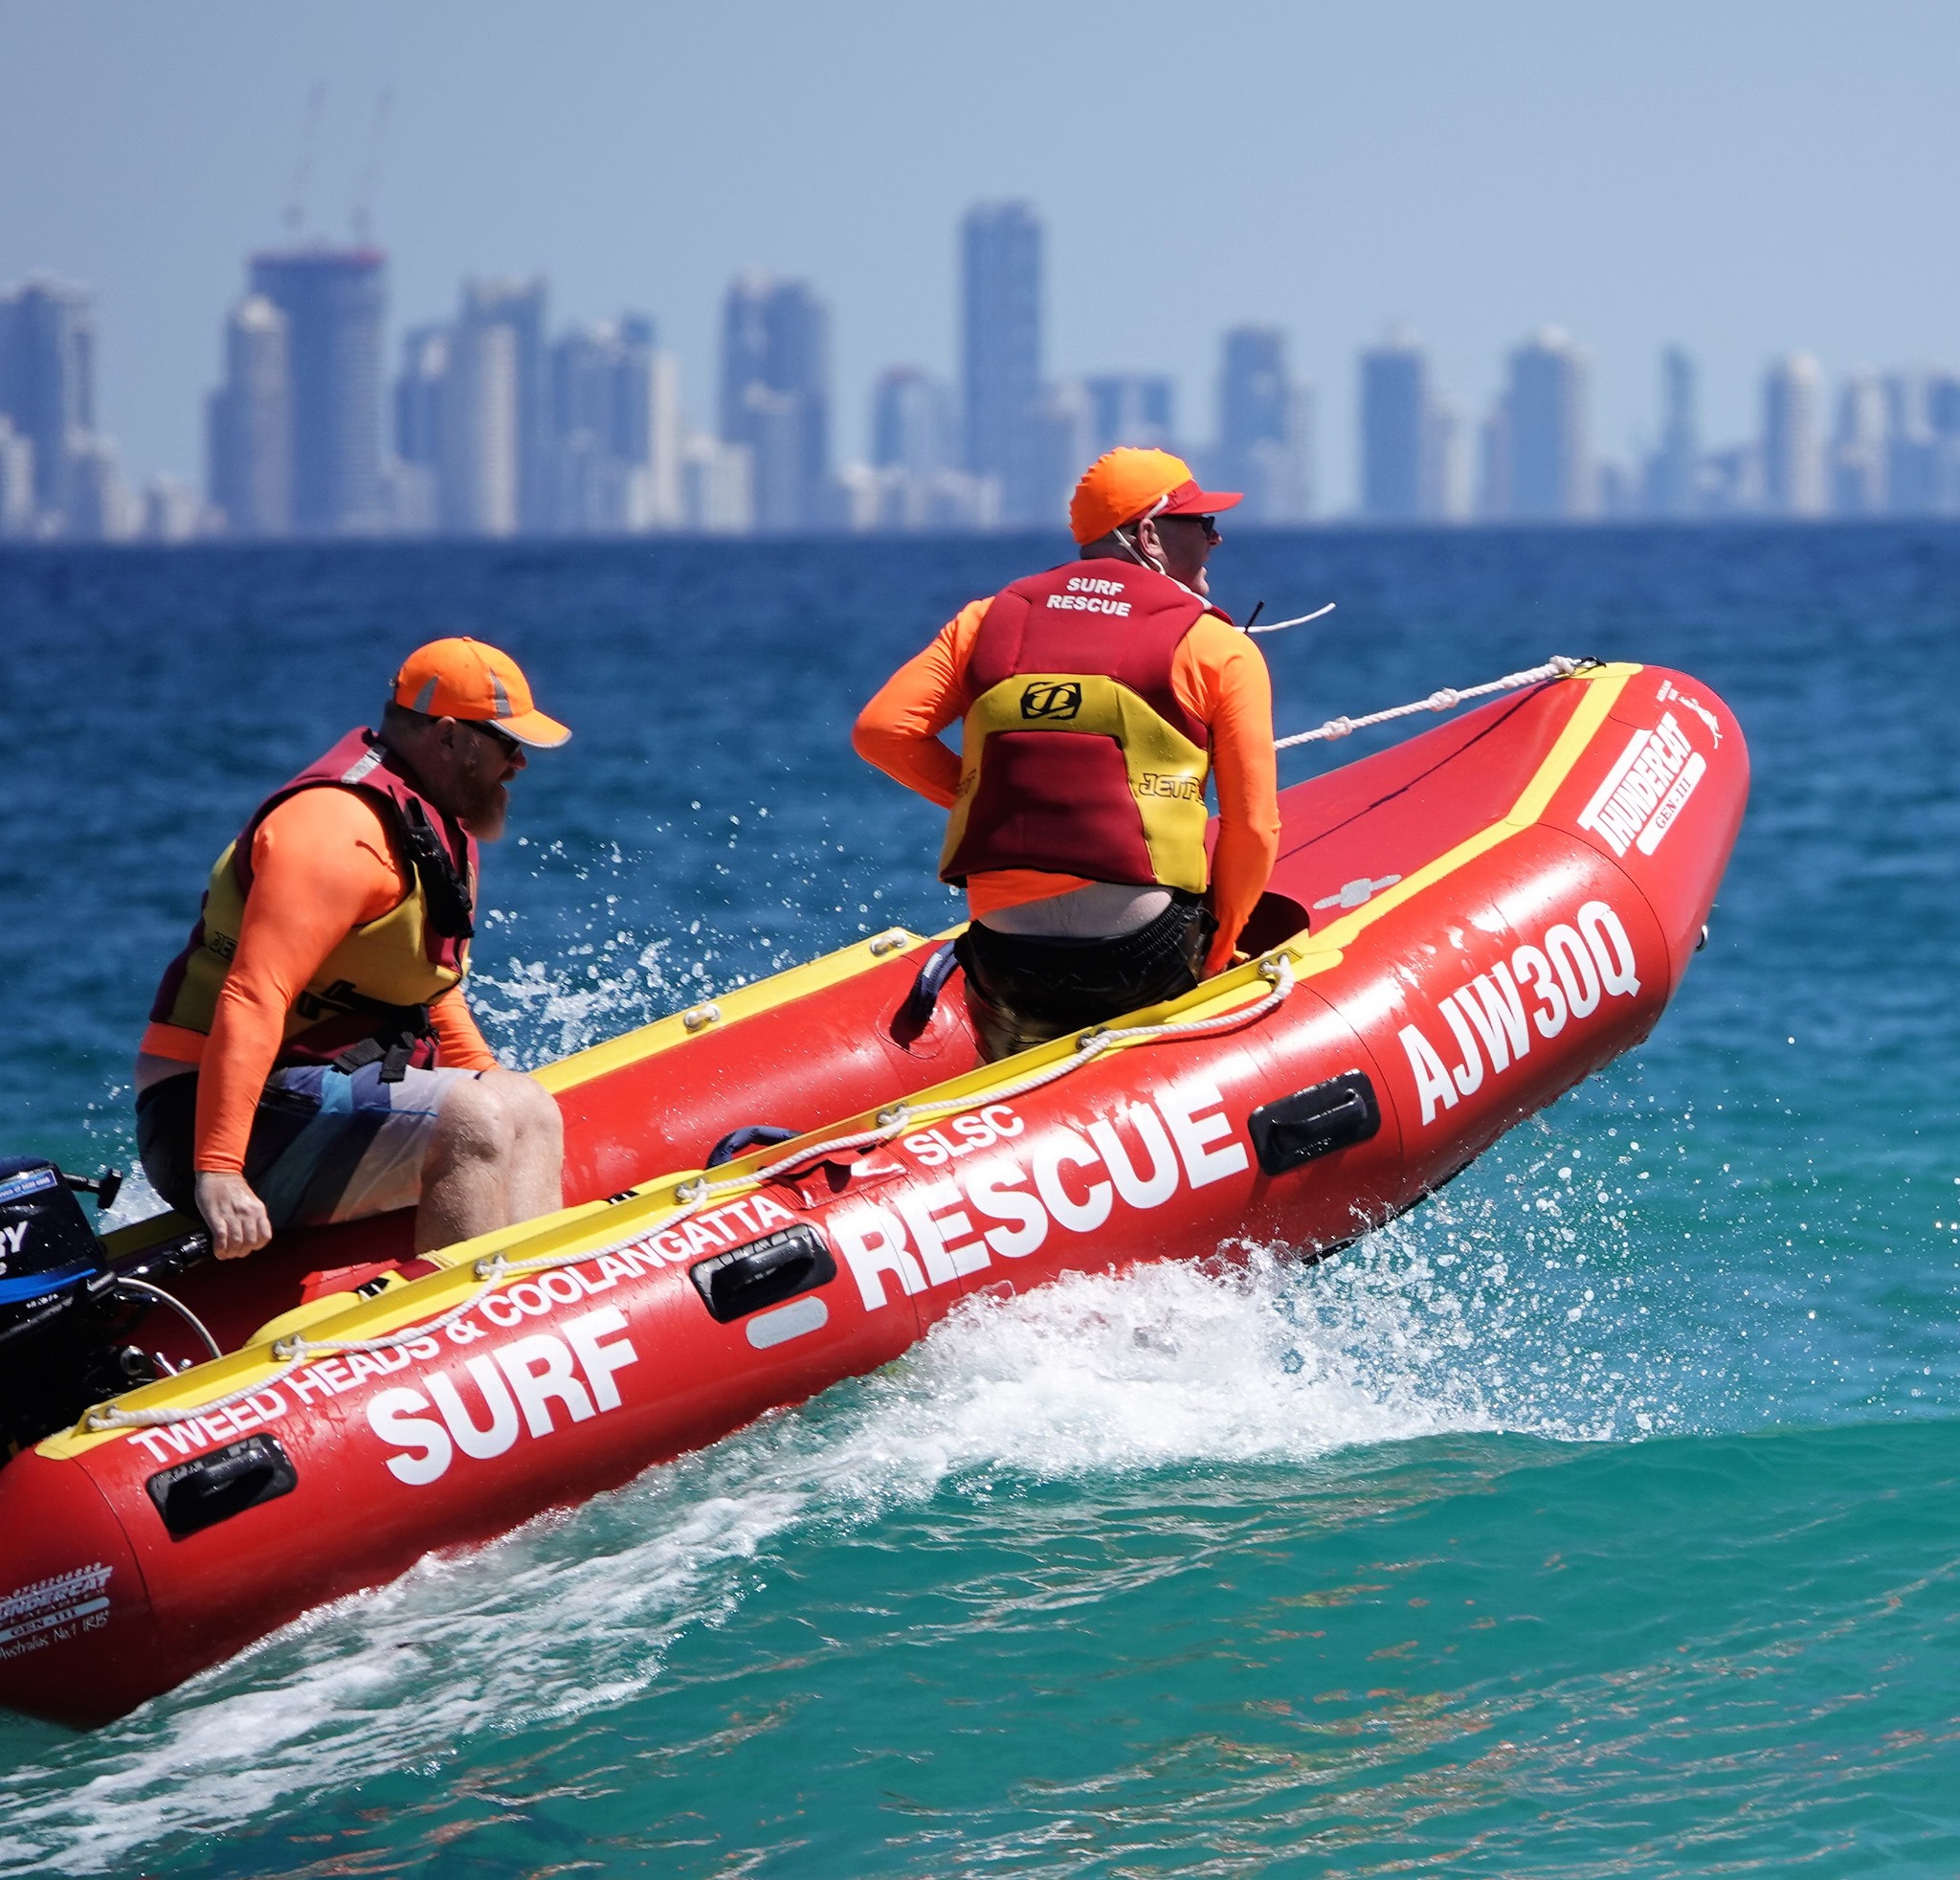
[531, 1112]
[475, 1123]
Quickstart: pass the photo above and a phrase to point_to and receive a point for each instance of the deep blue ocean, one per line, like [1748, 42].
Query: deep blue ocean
[1601, 1517]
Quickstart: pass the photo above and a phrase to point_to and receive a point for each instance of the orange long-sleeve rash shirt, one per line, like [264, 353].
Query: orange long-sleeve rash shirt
[1217, 676]
[321, 865]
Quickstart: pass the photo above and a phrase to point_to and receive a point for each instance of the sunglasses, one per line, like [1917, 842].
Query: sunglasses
[510, 747]
[1208, 523]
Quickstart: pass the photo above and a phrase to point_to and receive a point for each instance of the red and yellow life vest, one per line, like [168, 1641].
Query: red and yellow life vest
[378, 980]
[1077, 757]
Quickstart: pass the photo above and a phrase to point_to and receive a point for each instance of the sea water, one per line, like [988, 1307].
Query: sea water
[1603, 1516]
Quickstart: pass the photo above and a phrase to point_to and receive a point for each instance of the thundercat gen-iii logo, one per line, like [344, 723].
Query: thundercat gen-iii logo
[1052, 699]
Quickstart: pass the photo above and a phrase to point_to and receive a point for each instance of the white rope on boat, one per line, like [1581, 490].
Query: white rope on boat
[296, 1349]
[898, 1117]
[1448, 699]
[293, 1352]
[1298, 620]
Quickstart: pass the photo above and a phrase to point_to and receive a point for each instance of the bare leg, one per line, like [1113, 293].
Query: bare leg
[497, 1156]
[536, 1183]
[465, 1174]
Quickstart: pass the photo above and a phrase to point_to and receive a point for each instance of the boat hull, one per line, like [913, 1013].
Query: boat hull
[1460, 930]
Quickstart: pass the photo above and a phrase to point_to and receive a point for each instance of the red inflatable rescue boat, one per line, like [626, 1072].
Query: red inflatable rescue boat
[1458, 929]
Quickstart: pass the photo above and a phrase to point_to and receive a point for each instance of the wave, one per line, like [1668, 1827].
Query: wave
[1245, 1360]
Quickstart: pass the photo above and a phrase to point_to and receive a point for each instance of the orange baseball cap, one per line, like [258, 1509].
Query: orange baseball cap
[1123, 485]
[465, 679]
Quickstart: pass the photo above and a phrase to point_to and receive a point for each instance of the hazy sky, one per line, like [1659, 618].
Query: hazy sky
[1746, 177]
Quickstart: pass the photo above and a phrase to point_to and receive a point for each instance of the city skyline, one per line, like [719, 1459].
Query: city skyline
[1451, 466]
[496, 424]
[1634, 178]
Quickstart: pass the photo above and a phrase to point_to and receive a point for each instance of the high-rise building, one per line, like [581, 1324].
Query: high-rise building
[772, 435]
[1912, 455]
[1136, 409]
[911, 481]
[717, 487]
[97, 504]
[249, 425]
[1671, 470]
[520, 305]
[1942, 404]
[589, 495]
[1494, 462]
[1059, 445]
[416, 469]
[911, 422]
[1549, 472]
[912, 445]
[16, 483]
[47, 383]
[1252, 395]
[1401, 440]
[1447, 494]
[1000, 355]
[616, 428]
[1614, 494]
[476, 478]
[418, 397]
[775, 395]
[1859, 450]
[1730, 483]
[647, 427]
[334, 301]
[169, 511]
[1266, 428]
[1793, 436]
[1922, 451]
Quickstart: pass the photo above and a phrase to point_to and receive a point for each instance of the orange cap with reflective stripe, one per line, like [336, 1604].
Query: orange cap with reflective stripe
[466, 679]
[1123, 485]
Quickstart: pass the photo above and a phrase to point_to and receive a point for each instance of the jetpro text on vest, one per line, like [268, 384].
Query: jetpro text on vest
[1085, 593]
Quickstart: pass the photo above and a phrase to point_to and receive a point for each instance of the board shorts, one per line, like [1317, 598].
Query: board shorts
[326, 1145]
[1023, 990]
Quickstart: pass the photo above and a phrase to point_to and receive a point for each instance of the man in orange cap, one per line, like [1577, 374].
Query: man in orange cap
[1095, 702]
[310, 1056]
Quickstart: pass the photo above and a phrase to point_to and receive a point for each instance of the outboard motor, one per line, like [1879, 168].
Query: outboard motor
[64, 1307]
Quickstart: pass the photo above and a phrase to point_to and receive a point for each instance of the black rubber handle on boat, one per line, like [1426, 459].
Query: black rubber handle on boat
[765, 1272]
[1315, 1122]
[194, 1495]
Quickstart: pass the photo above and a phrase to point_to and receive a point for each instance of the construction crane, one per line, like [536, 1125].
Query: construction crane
[295, 217]
[371, 169]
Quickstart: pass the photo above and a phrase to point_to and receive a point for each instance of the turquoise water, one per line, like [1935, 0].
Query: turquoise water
[1598, 1518]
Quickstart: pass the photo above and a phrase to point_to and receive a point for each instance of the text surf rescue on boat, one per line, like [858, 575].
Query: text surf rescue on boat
[1458, 928]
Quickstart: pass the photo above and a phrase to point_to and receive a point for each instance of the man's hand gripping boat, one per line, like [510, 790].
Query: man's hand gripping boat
[1460, 928]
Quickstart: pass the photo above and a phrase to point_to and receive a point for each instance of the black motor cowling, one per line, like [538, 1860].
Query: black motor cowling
[64, 1315]
[46, 1243]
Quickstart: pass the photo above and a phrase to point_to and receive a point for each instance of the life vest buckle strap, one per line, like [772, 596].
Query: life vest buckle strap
[444, 890]
[394, 1051]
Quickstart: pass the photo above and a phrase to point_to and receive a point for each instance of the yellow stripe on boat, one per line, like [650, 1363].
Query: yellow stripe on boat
[599, 1225]
[636, 1046]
